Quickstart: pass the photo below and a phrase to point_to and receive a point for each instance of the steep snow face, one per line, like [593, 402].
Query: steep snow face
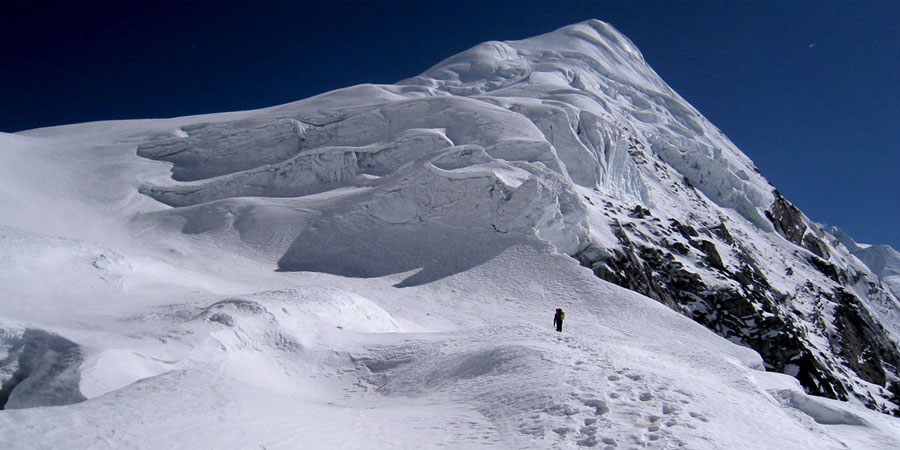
[588, 88]
[371, 267]
[882, 260]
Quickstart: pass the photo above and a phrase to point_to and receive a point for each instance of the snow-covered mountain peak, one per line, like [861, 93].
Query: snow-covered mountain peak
[590, 48]
[388, 253]
[587, 88]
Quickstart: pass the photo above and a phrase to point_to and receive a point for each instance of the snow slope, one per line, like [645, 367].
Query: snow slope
[377, 267]
[882, 260]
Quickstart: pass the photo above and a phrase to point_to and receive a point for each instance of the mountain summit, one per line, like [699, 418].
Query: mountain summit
[387, 254]
[571, 135]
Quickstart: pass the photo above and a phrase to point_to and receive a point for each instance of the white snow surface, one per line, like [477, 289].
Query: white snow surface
[882, 260]
[377, 267]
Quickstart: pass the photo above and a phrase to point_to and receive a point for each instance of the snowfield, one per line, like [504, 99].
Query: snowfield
[378, 266]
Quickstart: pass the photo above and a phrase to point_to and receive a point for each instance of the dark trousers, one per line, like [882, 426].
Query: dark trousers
[559, 326]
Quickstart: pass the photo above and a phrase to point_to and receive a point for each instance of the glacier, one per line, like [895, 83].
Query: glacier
[377, 267]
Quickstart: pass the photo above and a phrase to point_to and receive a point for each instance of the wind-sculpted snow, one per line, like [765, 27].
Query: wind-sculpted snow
[456, 162]
[591, 68]
[577, 102]
[462, 196]
[206, 150]
[308, 173]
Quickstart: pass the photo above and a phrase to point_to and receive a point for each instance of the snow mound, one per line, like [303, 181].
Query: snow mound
[114, 368]
[39, 255]
[297, 318]
[414, 376]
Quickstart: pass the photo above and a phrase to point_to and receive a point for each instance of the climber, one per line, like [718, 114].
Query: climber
[558, 319]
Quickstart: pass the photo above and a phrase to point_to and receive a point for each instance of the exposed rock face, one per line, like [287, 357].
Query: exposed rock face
[790, 223]
[712, 255]
[863, 344]
[736, 300]
[38, 369]
[788, 220]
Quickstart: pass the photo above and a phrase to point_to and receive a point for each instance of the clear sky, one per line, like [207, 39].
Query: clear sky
[810, 91]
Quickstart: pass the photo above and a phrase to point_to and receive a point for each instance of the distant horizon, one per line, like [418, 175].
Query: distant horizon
[810, 91]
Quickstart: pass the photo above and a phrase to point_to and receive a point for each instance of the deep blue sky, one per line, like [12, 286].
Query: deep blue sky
[809, 90]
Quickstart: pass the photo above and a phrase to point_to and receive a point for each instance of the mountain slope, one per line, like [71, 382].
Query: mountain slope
[572, 135]
[618, 129]
[377, 266]
[882, 260]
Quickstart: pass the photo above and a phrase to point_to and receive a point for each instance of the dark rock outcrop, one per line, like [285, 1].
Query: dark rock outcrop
[863, 341]
[787, 219]
[752, 312]
[790, 223]
[815, 245]
[712, 255]
[40, 369]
